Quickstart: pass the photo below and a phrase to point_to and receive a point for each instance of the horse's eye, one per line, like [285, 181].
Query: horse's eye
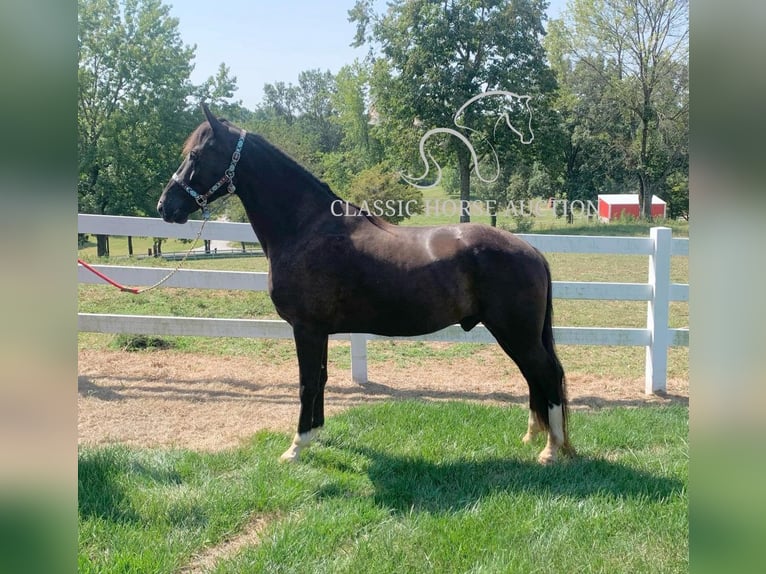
[193, 155]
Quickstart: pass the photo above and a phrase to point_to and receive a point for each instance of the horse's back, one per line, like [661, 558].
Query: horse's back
[391, 280]
[443, 242]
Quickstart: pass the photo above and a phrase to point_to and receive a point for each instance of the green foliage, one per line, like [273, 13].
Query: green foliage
[382, 193]
[524, 185]
[359, 149]
[400, 487]
[588, 75]
[218, 92]
[134, 101]
[435, 56]
[624, 98]
[133, 80]
[306, 109]
[678, 196]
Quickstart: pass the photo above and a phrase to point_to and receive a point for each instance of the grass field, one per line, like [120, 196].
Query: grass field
[398, 487]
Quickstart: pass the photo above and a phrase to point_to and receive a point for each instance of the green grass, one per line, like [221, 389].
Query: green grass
[401, 487]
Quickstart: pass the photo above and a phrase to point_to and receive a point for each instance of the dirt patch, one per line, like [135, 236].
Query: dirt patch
[208, 403]
[209, 557]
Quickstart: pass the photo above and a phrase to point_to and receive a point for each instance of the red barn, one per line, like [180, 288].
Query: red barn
[612, 205]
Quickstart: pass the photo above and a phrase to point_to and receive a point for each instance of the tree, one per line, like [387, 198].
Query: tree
[436, 55]
[218, 92]
[281, 100]
[133, 79]
[309, 104]
[315, 104]
[520, 193]
[638, 52]
[358, 148]
[301, 119]
[596, 136]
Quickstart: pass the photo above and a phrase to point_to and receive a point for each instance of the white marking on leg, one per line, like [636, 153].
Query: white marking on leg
[556, 424]
[555, 435]
[300, 441]
[533, 428]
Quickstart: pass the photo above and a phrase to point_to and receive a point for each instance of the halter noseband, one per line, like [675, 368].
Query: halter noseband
[228, 177]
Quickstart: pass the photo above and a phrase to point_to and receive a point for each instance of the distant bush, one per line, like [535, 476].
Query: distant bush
[380, 191]
[140, 342]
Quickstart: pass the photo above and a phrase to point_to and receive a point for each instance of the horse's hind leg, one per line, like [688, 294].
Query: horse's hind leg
[547, 396]
[547, 400]
[311, 347]
[533, 425]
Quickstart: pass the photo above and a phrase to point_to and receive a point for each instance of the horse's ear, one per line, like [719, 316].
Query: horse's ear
[218, 128]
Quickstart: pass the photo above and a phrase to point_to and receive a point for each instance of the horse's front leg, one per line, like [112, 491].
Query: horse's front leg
[312, 354]
[317, 421]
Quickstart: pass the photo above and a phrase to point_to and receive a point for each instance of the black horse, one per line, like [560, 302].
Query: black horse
[335, 269]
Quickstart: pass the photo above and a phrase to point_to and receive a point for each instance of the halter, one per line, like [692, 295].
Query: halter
[228, 177]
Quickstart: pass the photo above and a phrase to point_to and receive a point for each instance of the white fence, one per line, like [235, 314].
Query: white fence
[658, 291]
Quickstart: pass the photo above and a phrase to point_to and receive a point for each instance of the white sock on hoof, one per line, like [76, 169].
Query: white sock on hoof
[300, 441]
[556, 425]
[532, 428]
[555, 435]
[547, 456]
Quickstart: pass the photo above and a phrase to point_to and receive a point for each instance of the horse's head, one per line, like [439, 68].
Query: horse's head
[518, 109]
[207, 172]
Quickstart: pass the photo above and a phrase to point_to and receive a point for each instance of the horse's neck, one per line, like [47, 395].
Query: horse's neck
[282, 210]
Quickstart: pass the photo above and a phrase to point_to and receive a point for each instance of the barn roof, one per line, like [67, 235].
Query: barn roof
[626, 199]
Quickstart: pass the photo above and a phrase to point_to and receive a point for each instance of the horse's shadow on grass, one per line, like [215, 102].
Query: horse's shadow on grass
[100, 489]
[407, 484]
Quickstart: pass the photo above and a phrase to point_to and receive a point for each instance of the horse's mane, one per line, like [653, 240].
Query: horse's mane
[280, 156]
[317, 183]
[193, 139]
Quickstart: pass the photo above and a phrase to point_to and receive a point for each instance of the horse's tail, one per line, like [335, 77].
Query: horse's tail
[550, 347]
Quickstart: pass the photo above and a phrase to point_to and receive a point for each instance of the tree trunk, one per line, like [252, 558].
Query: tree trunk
[102, 245]
[644, 188]
[130, 246]
[644, 198]
[464, 167]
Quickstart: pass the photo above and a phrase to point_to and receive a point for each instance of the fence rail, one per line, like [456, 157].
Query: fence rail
[657, 292]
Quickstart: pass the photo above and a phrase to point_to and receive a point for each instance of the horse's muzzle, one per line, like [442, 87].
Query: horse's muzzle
[171, 216]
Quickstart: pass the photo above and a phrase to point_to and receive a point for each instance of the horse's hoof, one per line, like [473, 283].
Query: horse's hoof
[528, 438]
[546, 457]
[291, 455]
[569, 451]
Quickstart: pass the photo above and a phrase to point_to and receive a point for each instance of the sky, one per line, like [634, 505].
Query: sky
[269, 41]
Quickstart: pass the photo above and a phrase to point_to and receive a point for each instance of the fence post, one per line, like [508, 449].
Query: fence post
[657, 311]
[359, 358]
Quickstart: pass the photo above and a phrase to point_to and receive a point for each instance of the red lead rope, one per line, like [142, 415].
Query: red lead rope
[133, 290]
